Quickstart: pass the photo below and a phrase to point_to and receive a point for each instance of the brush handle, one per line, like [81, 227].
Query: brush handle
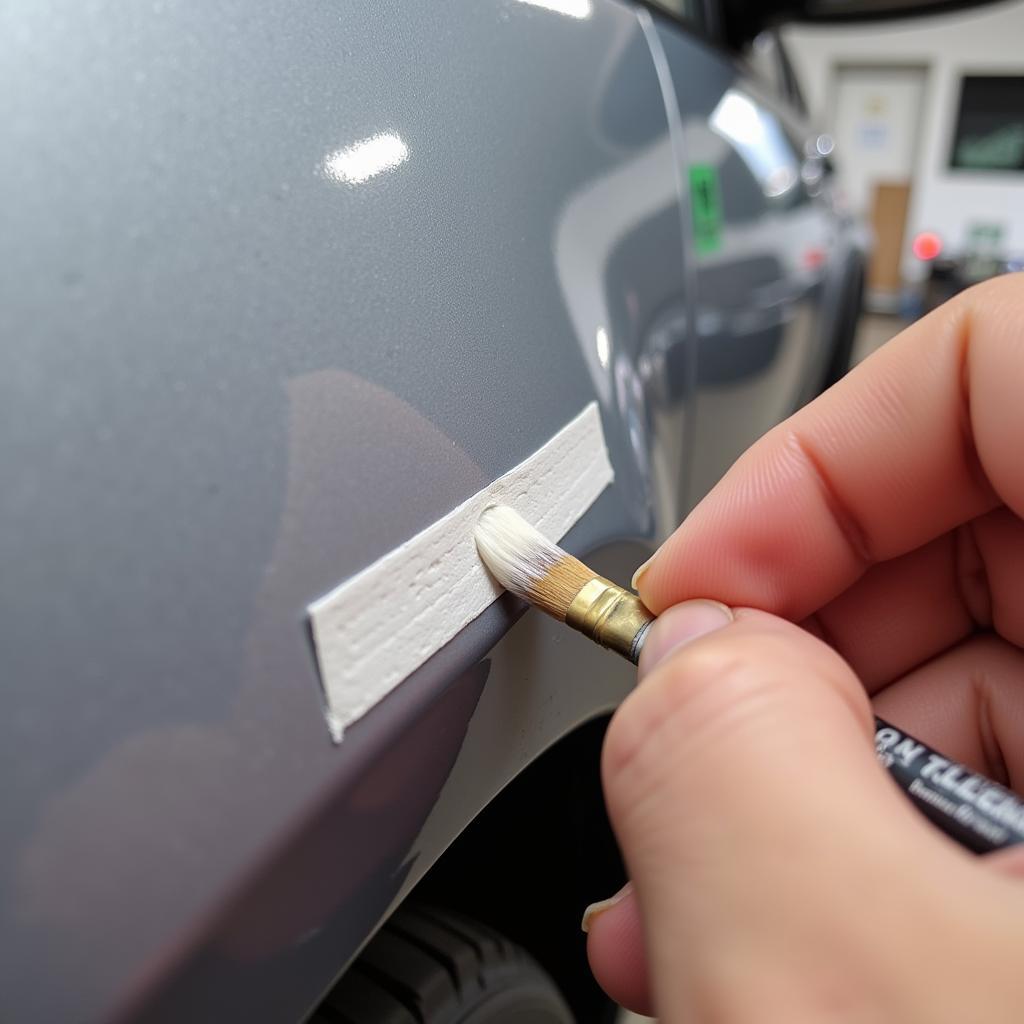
[970, 808]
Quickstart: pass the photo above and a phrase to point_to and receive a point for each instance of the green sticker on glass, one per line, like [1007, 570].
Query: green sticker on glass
[706, 204]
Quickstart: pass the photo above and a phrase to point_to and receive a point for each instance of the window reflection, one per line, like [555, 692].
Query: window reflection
[760, 141]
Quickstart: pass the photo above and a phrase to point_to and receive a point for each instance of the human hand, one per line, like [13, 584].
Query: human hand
[778, 874]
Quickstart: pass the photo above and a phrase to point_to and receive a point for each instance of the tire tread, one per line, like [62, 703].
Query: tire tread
[430, 966]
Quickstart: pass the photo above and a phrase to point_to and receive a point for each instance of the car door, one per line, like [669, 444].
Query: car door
[283, 285]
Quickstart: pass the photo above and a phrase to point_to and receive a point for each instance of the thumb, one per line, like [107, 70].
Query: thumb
[765, 843]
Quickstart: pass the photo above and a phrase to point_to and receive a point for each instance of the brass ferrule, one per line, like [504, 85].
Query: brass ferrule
[613, 617]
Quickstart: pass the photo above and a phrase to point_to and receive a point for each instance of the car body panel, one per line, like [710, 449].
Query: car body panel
[242, 364]
[232, 382]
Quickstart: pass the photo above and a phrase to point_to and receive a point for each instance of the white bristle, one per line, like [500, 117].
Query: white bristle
[517, 554]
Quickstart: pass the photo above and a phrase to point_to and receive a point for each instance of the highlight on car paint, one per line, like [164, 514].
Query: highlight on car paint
[571, 8]
[365, 159]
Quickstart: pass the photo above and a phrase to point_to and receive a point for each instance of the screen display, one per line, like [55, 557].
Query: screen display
[989, 132]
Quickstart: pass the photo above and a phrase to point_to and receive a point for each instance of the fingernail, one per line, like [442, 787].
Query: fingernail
[635, 581]
[679, 626]
[596, 909]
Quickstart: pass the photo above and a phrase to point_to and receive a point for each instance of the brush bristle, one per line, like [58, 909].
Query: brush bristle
[524, 561]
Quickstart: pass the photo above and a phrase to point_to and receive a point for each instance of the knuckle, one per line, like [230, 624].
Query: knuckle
[700, 692]
[710, 700]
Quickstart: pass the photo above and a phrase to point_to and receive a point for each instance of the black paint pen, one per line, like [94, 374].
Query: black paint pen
[970, 808]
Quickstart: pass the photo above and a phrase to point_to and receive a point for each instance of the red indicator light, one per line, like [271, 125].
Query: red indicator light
[927, 245]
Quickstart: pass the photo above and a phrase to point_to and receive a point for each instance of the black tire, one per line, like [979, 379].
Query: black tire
[429, 966]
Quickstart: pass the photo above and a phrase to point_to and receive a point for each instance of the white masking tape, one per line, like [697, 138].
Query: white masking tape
[379, 626]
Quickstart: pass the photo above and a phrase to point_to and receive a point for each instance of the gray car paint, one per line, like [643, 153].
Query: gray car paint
[232, 381]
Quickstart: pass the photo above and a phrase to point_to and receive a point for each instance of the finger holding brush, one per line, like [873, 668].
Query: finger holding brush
[773, 862]
[771, 858]
[977, 812]
[777, 872]
[778, 875]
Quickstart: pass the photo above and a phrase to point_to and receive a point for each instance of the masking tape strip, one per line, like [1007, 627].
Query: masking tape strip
[379, 626]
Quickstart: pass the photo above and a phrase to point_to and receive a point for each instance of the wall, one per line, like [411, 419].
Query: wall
[876, 143]
[989, 40]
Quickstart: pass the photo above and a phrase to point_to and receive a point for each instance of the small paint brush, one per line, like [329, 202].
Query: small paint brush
[524, 561]
[970, 808]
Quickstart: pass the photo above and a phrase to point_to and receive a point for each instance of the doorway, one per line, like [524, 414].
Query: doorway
[876, 114]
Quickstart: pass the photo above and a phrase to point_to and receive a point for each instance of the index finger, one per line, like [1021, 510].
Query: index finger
[923, 436]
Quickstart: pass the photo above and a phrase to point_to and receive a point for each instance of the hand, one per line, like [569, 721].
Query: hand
[777, 872]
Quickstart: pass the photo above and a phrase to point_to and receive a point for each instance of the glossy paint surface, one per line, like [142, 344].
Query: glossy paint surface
[283, 285]
[768, 283]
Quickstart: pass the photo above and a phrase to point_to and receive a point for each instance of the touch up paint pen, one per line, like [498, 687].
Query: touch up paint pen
[970, 808]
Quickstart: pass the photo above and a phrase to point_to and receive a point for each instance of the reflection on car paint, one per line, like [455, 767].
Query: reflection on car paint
[365, 159]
